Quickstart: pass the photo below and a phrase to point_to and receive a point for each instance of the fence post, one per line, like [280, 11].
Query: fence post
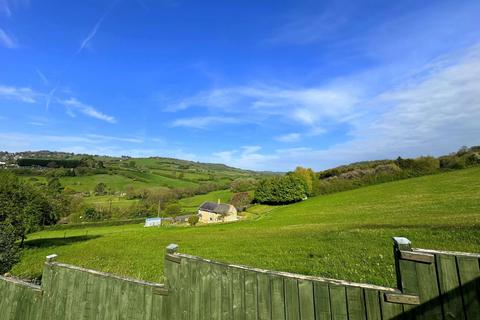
[172, 264]
[407, 281]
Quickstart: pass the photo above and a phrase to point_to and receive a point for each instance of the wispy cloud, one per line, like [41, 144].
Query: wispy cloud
[7, 40]
[245, 157]
[42, 77]
[204, 122]
[74, 105]
[87, 40]
[89, 143]
[432, 115]
[290, 137]
[307, 106]
[22, 94]
[112, 138]
[86, 143]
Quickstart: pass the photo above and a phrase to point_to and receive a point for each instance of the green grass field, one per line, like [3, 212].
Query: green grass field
[345, 235]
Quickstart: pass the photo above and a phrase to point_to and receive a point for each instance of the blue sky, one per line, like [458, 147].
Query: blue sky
[264, 85]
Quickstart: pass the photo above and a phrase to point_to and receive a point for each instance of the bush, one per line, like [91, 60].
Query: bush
[193, 220]
[280, 190]
[90, 214]
[9, 249]
[100, 189]
[452, 162]
[308, 176]
[241, 200]
[173, 209]
[243, 184]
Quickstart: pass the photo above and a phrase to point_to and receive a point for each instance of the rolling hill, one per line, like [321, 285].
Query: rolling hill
[345, 235]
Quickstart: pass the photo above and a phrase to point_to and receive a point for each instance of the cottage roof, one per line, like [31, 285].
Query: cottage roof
[219, 208]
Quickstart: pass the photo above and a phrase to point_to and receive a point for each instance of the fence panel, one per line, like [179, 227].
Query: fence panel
[431, 285]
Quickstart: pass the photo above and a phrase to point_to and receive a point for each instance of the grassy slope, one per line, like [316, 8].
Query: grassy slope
[344, 235]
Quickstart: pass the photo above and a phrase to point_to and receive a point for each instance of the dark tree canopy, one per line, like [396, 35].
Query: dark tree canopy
[23, 208]
[279, 190]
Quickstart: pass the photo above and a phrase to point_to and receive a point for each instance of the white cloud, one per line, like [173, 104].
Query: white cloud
[91, 35]
[433, 115]
[306, 106]
[22, 94]
[73, 105]
[203, 122]
[290, 137]
[246, 157]
[112, 138]
[92, 143]
[7, 40]
[87, 40]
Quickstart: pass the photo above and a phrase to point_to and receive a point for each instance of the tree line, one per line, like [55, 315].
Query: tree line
[304, 182]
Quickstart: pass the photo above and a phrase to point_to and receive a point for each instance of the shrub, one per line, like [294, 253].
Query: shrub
[193, 220]
[279, 190]
[452, 162]
[9, 249]
[90, 214]
[308, 176]
[243, 184]
[173, 209]
[100, 189]
[240, 200]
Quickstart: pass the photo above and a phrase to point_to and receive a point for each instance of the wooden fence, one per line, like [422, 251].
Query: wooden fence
[430, 285]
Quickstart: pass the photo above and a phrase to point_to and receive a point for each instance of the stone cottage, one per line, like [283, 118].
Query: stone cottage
[211, 212]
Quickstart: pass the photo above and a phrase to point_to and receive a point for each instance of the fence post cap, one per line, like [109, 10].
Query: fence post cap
[51, 257]
[172, 248]
[401, 240]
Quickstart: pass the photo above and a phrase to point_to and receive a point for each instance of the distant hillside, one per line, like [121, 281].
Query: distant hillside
[121, 187]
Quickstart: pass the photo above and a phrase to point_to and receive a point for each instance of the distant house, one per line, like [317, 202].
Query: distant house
[153, 222]
[211, 212]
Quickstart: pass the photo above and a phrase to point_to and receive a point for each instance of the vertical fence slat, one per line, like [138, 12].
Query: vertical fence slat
[372, 304]
[307, 303]
[216, 292]
[278, 298]
[469, 272]
[431, 306]
[338, 302]
[183, 283]
[292, 305]
[205, 310]
[264, 297]
[227, 299]
[238, 294]
[171, 274]
[322, 301]
[356, 303]
[194, 290]
[449, 286]
[250, 295]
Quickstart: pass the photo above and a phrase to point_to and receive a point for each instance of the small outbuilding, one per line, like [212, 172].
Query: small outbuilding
[153, 222]
[211, 212]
